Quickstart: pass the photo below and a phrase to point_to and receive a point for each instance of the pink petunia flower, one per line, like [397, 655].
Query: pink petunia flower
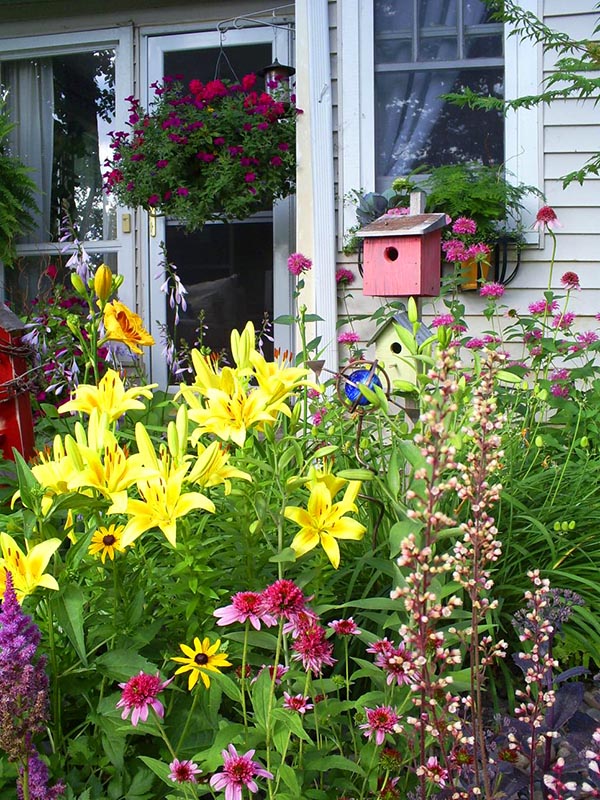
[297, 703]
[183, 771]
[546, 218]
[343, 275]
[348, 337]
[570, 280]
[344, 627]
[140, 693]
[491, 290]
[380, 721]
[239, 771]
[297, 264]
[244, 606]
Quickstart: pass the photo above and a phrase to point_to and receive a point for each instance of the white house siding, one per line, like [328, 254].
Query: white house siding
[569, 133]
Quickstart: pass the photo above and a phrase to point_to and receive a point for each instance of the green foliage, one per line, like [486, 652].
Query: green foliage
[17, 193]
[575, 72]
[479, 192]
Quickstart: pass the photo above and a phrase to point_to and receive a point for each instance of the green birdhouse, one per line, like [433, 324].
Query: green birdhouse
[396, 345]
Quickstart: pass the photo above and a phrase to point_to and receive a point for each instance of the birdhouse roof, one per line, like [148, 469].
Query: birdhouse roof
[401, 318]
[407, 225]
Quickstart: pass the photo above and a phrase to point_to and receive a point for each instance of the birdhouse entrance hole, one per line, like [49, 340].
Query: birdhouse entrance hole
[390, 253]
[396, 347]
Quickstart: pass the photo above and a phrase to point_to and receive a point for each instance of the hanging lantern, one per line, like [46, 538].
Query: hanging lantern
[277, 79]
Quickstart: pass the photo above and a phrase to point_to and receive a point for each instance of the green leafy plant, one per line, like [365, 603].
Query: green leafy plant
[205, 152]
[17, 192]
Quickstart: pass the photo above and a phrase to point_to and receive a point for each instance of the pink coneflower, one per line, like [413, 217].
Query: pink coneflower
[464, 225]
[381, 647]
[491, 290]
[312, 648]
[297, 703]
[344, 627]
[348, 337]
[546, 218]
[343, 275]
[139, 693]
[297, 264]
[570, 280]
[283, 600]
[434, 772]
[563, 321]
[183, 771]
[238, 772]
[398, 663]
[543, 307]
[279, 672]
[244, 606]
[380, 721]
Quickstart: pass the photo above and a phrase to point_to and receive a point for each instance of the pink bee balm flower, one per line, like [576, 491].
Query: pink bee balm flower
[455, 251]
[343, 275]
[491, 290]
[442, 319]
[546, 218]
[464, 225]
[297, 264]
[183, 771]
[401, 211]
[238, 772]
[348, 337]
[587, 337]
[380, 721]
[139, 693]
[344, 627]
[244, 606]
[479, 251]
[297, 703]
[559, 390]
[563, 321]
[570, 280]
[543, 307]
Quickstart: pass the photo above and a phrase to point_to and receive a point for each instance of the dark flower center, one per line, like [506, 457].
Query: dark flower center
[201, 658]
[109, 540]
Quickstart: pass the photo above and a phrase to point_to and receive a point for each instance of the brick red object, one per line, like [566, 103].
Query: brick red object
[16, 420]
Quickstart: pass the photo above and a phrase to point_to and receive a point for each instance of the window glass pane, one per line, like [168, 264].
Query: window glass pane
[64, 107]
[484, 46]
[393, 51]
[476, 9]
[438, 49]
[415, 127]
[390, 15]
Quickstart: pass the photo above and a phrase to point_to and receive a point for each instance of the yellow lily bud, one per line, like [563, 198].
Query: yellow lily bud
[77, 284]
[103, 280]
[412, 310]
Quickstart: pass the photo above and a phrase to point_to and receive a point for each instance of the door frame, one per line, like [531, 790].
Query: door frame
[152, 301]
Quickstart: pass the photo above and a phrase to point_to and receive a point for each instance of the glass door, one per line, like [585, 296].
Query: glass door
[233, 272]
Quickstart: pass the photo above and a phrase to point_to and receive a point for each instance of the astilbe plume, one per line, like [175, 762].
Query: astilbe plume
[23, 697]
[431, 651]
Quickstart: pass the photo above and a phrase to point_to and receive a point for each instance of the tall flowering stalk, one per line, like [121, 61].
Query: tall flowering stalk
[23, 698]
[427, 652]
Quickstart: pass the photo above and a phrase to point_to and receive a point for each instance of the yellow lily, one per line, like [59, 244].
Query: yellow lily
[55, 473]
[323, 521]
[161, 505]
[27, 569]
[211, 468]
[243, 346]
[207, 374]
[110, 397]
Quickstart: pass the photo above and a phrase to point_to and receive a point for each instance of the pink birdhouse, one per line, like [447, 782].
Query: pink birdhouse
[402, 255]
[16, 422]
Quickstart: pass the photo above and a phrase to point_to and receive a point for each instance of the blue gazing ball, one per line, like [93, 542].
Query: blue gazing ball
[357, 377]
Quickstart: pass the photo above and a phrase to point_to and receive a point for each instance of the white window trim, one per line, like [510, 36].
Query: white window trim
[522, 131]
[121, 39]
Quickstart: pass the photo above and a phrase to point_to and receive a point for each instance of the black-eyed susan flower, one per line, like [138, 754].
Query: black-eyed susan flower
[107, 542]
[203, 657]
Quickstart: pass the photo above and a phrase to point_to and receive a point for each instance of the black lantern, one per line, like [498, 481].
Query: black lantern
[277, 79]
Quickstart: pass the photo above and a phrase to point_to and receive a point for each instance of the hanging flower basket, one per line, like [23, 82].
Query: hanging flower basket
[205, 152]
